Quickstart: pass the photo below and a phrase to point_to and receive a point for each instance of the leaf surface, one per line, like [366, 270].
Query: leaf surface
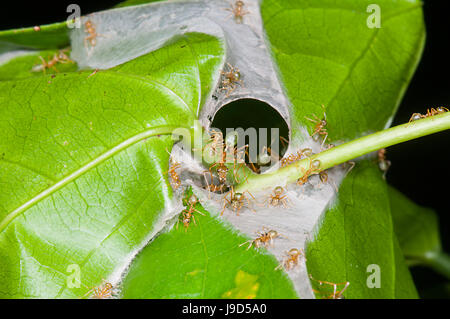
[205, 261]
[358, 232]
[51, 36]
[84, 169]
[359, 74]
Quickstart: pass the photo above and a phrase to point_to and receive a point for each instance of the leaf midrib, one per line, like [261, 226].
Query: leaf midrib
[103, 157]
[158, 130]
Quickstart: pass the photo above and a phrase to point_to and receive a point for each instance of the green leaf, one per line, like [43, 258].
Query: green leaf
[51, 36]
[23, 66]
[110, 195]
[357, 232]
[129, 3]
[404, 285]
[204, 261]
[359, 74]
[84, 166]
[417, 229]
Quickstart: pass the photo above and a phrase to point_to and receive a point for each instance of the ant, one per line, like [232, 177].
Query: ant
[103, 291]
[313, 168]
[238, 11]
[263, 159]
[190, 201]
[292, 258]
[351, 165]
[59, 57]
[323, 176]
[89, 28]
[264, 238]
[215, 188]
[237, 155]
[176, 181]
[93, 73]
[430, 112]
[383, 163]
[221, 169]
[320, 129]
[212, 188]
[215, 142]
[266, 156]
[91, 38]
[236, 201]
[278, 197]
[291, 158]
[337, 294]
[188, 213]
[230, 80]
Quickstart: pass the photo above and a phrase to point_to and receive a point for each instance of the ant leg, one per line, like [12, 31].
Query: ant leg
[323, 142]
[226, 201]
[230, 90]
[199, 212]
[93, 73]
[230, 15]
[44, 63]
[208, 186]
[283, 140]
[248, 241]
[324, 114]
[265, 202]
[352, 164]
[314, 121]
[284, 201]
[249, 205]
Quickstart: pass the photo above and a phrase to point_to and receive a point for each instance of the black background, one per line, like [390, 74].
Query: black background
[420, 168]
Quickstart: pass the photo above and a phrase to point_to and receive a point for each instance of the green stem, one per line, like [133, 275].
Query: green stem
[348, 151]
[439, 262]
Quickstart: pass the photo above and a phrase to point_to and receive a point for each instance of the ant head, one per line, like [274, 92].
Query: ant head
[221, 170]
[315, 164]
[307, 152]
[416, 116]
[323, 176]
[193, 200]
[238, 196]
[278, 190]
[272, 233]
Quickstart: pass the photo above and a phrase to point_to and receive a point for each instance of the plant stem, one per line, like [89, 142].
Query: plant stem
[439, 262]
[348, 151]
